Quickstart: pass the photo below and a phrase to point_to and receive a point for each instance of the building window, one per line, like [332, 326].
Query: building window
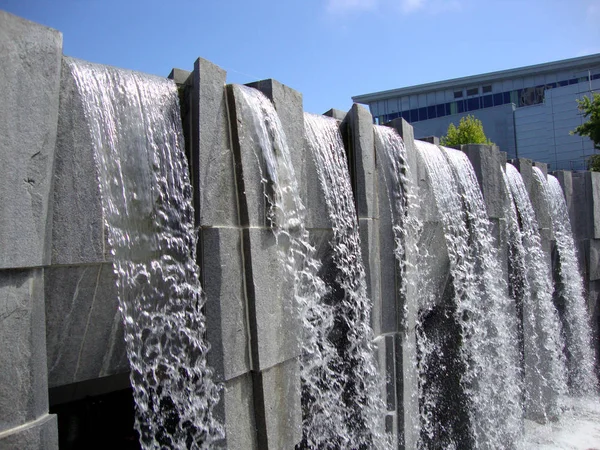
[487, 101]
[431, 113]
[441, 110]
[472, 104]
[453, 108]
[406, 115]
[472, 91]
[498, 99]
[422, 113]
[414, 115]
[460, 106]
[458, 94]
[487, 89]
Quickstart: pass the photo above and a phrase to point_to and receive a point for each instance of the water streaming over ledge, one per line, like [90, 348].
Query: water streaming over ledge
[481, 361]
[570, 299]
[363, 407]
[136, 131]
[544, 365]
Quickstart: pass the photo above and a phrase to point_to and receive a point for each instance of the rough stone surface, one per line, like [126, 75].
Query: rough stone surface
[23, 376]
[336, 114]
[360, 145]
[581, 217]
[282, 409]
[288, 104]
[317, 213]
[29, 93]
[270, 298]
[249, 164]
[487, 162]
[369, 245]
[41, 434]
[179, 76]
[84, 326]
[593, 256]
[78, 231]
[239, 414]
[225, 309]
[212, 163]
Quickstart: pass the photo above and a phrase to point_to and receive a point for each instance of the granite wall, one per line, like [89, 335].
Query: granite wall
[61, 333]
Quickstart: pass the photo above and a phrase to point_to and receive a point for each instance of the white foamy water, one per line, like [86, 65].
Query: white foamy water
[136, 131]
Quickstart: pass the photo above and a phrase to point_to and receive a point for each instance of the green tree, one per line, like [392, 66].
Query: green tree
[593, 163]
[469, 131]
[590, 107]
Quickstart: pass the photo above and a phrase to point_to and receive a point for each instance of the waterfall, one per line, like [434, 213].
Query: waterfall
[569, 295]
[136, 132]
[479, 365]
[544, 366]
[403, 207]
[352, 334]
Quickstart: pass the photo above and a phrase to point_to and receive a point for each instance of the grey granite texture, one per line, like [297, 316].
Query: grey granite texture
[369, 246]
[84, 326]
[288, 104]
[487, 163]
[78, 232]
[41, 434]
[23, 376]
[237, 405]
[212, 162]
[282, 410]
[272, 302]
[225, 308]
[29, 92]
[337, 114]
[360, 145]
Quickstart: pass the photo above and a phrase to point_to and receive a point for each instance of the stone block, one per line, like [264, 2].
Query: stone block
[78, 230]
[225, 308]
[593, 256]
[23, 375]
[29, 95]
[582, 205]
[360, 145]
[211, 156]
[388, 264]
[274, 326]
[431, 139]
[407, 389]
[536, 194]
[282, 407]
[595, 210]
[336, 114]
[289, 107]
[41, 434]
[487, 165]
[239, 411]
[317, 212]
[84, 327]
[249, 162]
[369, 246]
[179, 76]
[565, 178]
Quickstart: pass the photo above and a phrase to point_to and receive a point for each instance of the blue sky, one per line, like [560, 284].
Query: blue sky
[329, 50]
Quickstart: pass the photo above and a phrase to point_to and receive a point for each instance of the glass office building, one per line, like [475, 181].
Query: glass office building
[528, 112]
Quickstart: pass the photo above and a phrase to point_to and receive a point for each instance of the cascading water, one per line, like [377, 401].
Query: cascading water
[569, 293]
[136, 132]
[363, 408]
[480, 372]
[406, 228]
[544, 365]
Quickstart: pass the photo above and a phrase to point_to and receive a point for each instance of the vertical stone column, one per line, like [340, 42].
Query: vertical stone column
[539, 202]
[220, 250]
[407, 390]
[273, 331]
[585, 220]
[488, 163]
[29, 93]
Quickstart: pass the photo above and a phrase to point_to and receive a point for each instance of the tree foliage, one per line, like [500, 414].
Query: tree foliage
[593, 163]
[590, 107]
[469, 131]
